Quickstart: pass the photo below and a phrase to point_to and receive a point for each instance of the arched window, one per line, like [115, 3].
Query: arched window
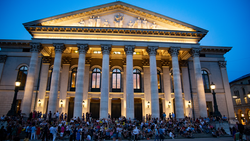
[236, 93]
[206, 81]
[49, 78]
[137, 80]
[21, 76]
[116, 80]
[159, 80]
[96, 80]
[73, 79]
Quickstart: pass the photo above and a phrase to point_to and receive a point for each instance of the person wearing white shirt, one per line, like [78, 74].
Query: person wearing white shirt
[136, 132]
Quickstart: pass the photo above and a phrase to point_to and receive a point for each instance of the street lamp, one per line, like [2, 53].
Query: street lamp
[12, 111]
[216, 111]
[148, 104]
[248, 95]
[83, 103]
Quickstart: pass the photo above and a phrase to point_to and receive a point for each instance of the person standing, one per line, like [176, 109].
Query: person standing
[173, 115]
[33, 132]
[161, 132]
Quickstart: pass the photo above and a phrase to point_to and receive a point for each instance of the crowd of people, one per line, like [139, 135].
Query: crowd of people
[55, 126]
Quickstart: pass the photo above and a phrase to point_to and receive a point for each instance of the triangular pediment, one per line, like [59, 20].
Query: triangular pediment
[118, 15]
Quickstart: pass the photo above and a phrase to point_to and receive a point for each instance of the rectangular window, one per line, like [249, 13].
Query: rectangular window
[114, 81]
[97, 52]
[134, 80]
[93, 80]
[245, 98]
[98, 80]
[238, 101]
[116, 52]
[73, 85]
[118, 81]
[138, 81]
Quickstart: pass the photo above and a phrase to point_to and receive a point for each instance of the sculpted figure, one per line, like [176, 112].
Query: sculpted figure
[139, 22]
[130, 24]
[82, 23]
[91, 21]
[144, 24]
[118, 20]
[98, 21]
[153, 26]
[106, 23]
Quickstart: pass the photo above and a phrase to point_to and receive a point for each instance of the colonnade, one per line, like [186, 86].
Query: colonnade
[128, 98]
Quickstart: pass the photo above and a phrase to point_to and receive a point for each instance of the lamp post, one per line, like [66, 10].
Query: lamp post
[216, 111]
[12, 111]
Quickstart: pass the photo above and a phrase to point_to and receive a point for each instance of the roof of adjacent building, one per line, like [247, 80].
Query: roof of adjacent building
[240, 78]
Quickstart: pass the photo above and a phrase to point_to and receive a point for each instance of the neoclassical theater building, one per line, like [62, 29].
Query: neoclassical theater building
[116, 59]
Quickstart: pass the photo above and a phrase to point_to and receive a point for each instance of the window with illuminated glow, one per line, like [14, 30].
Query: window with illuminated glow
[97, 52]
[137, 80]
[73, 79]
[159, 80]
[136, 53]
[238, 101]
[116, 80]
[21, 76]
[245, 98]
[116, 52]
[96, 80]
[206, 82]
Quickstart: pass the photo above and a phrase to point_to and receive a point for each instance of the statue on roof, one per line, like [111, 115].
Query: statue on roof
[106, 23]
[82, 23]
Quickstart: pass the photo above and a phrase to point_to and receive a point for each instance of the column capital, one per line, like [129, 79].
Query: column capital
[174, 51]
[3, 58]
[59, 47]
[165, 62]
[83, 48]
[129, 49]
[46, 59]
[195, 52]
[222, 64]
[66, 60]
[106, 48]
[152, 50]
[35, 47]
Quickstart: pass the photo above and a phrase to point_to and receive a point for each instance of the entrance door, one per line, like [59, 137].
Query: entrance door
[95, 108]
[138, 108]
[160, 108]
[71, 108]
[115, 108]
[209, 108]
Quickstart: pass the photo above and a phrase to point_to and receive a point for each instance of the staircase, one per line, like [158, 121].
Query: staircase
[225, 126]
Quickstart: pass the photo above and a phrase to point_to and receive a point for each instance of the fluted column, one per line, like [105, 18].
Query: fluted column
[186, 89]
[167, 87]
[152, 50]
[105, 81]
[174, 51]
[85, 88]
[43, 83]
[228, 95]
[195, 52]
[124, 89]
[29, 86]
[82, 49]
[59, 48]
[129, 49]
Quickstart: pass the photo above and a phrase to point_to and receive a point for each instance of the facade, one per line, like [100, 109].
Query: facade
[115, 59]
[240, 89]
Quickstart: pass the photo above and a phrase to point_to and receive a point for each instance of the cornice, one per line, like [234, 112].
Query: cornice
[15, 42]
[215, 49]
[116, 6]
[108, 30]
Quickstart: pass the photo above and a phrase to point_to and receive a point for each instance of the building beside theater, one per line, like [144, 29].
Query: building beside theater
[240, 89]
[115, 59]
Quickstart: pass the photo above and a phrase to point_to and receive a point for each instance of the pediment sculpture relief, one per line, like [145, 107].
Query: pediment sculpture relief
[118, 21]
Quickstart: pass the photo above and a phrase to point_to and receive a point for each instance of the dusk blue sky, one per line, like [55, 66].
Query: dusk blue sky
[228, 21]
